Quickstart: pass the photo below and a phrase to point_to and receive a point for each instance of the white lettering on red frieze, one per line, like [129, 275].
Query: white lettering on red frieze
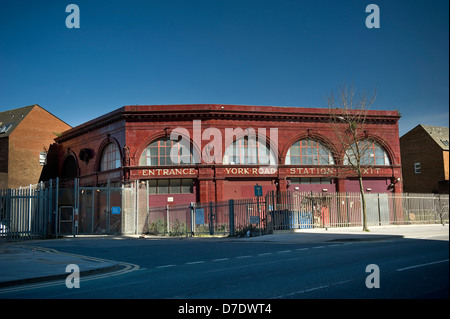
[330, 171]
[312, 171]
[167, 171]
[250, 171]
[370, 171]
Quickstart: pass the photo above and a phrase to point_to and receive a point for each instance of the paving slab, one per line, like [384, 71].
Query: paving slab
[23, 264]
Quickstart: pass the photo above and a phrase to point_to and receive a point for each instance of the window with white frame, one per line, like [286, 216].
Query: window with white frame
[249, 151]
[309, 152]
[369, 151]
[110, 157]
[158, 153]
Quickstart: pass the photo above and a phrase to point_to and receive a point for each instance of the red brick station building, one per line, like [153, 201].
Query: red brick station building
[133, 143]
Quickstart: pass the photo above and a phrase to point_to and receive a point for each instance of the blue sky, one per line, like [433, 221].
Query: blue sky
[262, 52]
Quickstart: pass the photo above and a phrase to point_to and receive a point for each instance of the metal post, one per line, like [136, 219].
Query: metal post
[231, 216]
[147, 197]
[8, 213]
[379, 212]
[408, 206]
[136, 199]
[192, 209]
[50, 207]
[259, 215]
[347, 209]
[76, 205]
[211, 219]
[108, 206]
[41, 212]
[313, 211]
[56, 207]
[29, 210]
[168, 225]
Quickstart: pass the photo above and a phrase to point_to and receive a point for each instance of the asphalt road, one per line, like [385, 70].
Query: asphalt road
[221, 268]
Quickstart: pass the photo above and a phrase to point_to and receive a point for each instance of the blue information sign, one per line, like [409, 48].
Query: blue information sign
[199, 216]
[258, 190]
[115, 210]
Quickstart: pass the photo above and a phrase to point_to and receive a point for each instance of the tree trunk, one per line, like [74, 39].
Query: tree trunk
[363, 204]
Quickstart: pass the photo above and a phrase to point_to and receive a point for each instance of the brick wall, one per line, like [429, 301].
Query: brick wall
[94, 140]
[4, 162]
[418, 147]
[35, 133]
[446, 164]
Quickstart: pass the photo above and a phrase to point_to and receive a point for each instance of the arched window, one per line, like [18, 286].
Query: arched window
[158, 153]
[110, 157]
[249, 151]
[70, 168]
[371, 152]
[309, 152]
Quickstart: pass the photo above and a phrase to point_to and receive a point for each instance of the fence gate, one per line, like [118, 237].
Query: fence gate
[377, 208]
[100, 210]
[66, 220]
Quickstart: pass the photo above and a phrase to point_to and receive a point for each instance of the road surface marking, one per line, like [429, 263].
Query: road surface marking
[247, 256]
[284, 251]
[165, 266]
[422, 265]
[195, 262]
[220, 259]
[127, 267]
[232, 267]
[310, 289]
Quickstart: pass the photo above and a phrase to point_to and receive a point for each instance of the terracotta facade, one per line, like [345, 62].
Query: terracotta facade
[132, 128]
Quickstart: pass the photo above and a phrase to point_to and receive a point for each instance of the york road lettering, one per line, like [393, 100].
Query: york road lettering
[250, 170]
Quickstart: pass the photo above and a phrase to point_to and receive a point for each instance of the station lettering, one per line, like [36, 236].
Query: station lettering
[330, 171]
[312, 170]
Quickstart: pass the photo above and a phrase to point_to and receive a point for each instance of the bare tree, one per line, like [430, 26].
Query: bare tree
[348, 109]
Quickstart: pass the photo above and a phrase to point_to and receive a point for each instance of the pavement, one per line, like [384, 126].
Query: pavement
[375, 233]
[25, 263]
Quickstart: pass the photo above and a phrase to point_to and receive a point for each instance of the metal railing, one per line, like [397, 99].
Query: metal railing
[64, 208]
[295, 210]
[23, 213]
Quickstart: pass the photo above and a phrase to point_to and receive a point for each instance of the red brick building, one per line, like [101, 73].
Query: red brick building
[226, 153]
[26, 135]
[425, 166]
